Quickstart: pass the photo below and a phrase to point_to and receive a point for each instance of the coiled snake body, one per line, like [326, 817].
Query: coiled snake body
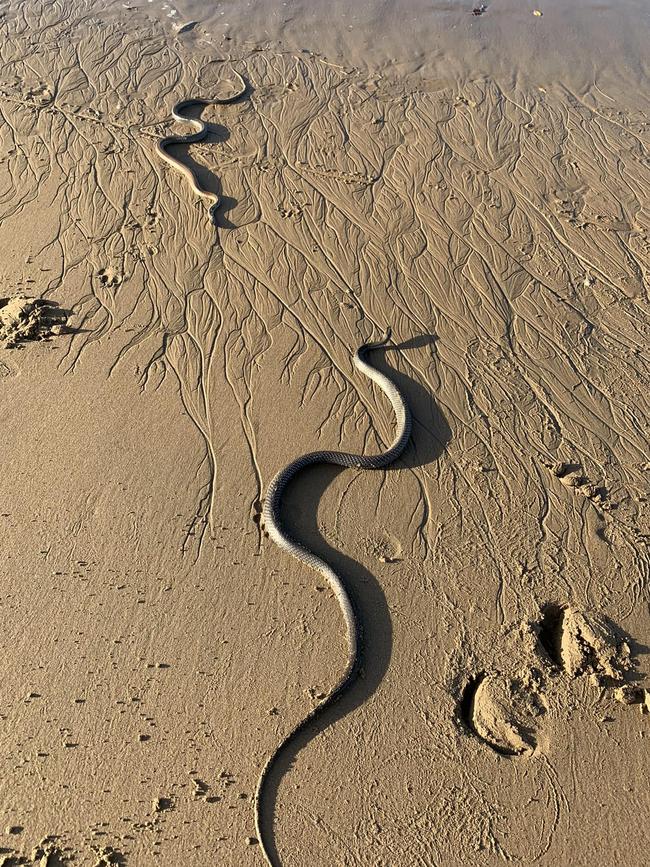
[201, 132]
[272, 523]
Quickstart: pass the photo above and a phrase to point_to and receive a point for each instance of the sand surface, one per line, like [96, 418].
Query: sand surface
[478, 182]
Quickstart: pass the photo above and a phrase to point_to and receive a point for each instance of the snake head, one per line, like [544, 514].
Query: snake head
[381, 342]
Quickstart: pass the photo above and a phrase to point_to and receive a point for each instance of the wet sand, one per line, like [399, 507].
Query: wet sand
[480, 184]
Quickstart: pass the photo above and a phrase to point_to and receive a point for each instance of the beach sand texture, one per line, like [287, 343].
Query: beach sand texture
[156, 645]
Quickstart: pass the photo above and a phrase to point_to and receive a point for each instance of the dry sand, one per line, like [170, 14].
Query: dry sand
[480, 183]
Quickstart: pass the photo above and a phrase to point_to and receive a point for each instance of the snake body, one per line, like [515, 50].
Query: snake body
[178, 113]
[273, 525]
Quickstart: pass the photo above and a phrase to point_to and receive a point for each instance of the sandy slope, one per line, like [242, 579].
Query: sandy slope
[155, 646]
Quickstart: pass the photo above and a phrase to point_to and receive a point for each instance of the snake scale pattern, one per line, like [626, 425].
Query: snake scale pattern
[202, 129]
[273, 525]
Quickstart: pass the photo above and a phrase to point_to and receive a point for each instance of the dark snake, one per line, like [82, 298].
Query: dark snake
[273, 525]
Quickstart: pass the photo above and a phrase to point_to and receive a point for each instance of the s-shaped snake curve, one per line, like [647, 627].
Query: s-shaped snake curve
[201, 132]
[273, 525]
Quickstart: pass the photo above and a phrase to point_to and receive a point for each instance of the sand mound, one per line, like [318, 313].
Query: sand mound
[24, 318]
[586, 643]
[589, 645]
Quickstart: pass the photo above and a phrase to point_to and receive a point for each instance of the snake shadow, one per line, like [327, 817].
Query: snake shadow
[430, 436]
[217, 134]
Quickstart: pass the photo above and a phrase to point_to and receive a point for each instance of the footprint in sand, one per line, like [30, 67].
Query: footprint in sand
[505, 711]
[109, 277]
[587, 644]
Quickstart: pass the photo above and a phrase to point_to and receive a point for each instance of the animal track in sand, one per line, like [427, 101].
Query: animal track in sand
[572, 476]
[580, 643]
[504, 711]
[291, 211]
[109, 277]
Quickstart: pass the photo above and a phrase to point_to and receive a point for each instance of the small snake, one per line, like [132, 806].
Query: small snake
[271, 515]
[202, 130]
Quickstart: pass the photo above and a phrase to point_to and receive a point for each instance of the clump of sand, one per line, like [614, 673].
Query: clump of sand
[24, 318]
[585, 643]
[589, 645]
